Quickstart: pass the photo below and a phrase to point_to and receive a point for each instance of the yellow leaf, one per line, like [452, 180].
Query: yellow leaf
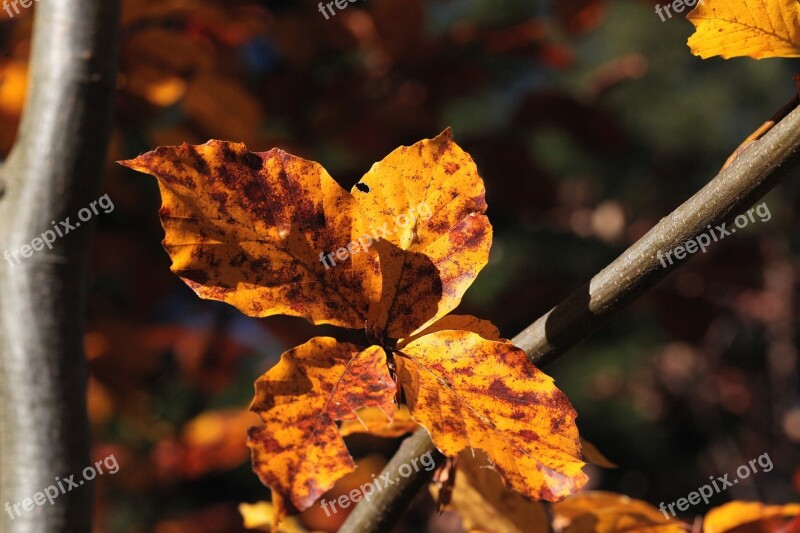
[468, 391]
[755, 28]
[435, 199]
[298, 452]
[484, 503]
[374, 421]
[756, 516]
[606, 512]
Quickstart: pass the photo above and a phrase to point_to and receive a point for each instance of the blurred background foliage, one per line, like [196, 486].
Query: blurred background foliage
[589, 121]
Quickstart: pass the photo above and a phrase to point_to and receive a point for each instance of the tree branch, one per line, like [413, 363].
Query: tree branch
[52, 172]
[735, 189]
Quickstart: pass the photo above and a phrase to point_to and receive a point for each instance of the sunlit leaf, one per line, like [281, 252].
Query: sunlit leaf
[271, 233]
[468, 391]
[755, 28]
[298, 452]
[434, 200]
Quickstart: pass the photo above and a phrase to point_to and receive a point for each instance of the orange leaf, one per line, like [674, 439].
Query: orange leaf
[298, 452]
[755, 28]
[440, 239]
[376, 422]
[468, 391]
[755, 516]
[247, 229]
[271, 233]
[606, 512]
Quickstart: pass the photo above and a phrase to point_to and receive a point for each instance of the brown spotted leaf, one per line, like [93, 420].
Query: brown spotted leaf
[248, 229]
[298, 452]
[271, 233]
[436, 238]
[468, 391]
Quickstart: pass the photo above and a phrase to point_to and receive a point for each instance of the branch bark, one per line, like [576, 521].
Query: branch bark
[52, 172]
[736, 188]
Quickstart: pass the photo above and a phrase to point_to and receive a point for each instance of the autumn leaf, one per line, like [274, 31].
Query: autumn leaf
[298, 452]
[606, 512]
[437, 183]
[756, 516]
[755, 28]
[247, 229]
[484, 504]
[468, 391]
[271, 233]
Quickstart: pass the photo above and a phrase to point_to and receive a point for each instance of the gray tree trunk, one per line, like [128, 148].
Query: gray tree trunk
[52, 172]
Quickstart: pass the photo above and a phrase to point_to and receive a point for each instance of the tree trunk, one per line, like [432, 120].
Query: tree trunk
[52, 172]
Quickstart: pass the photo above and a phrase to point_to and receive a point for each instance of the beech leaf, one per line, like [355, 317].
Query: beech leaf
[272, 233]
[754, 28]
[468, 391]
[298, 452]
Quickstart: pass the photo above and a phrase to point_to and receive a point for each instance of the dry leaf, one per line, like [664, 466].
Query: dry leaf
[298, 452]
[437, 183]
[272, 233]
[468, 391]
[260, 231]
[755, 28]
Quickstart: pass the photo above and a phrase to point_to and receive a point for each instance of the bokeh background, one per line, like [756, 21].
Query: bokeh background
[589, 121]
